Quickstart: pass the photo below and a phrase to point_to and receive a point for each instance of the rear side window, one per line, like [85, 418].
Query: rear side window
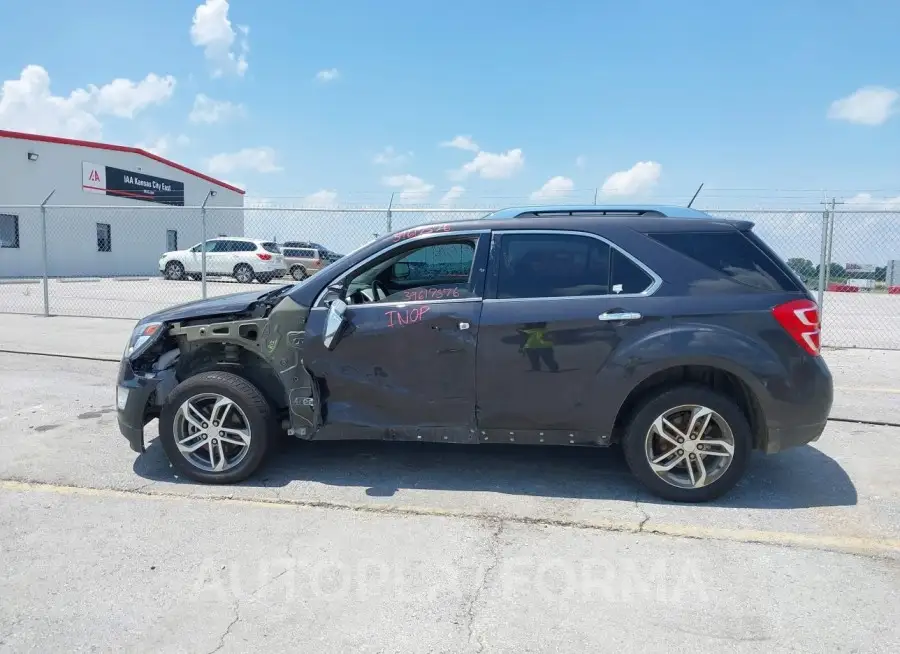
[552, 265]
[732, 255]
[271, 247]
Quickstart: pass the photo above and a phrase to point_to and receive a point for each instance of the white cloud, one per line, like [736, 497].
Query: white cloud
[451, 196]
[580, 161]
[870, 105]
[328, 75]
[207, 110]
[639, 178]
[461, 143]
[865, 201]
[124, 98]
[28, 105]
[163, 145]
[490, 165]
[211, 29]
[261, 160]
[412, 189]
[555, 187]
[390, 157]
[322, 198]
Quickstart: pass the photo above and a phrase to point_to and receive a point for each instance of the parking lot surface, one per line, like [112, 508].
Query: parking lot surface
[397, 547]
[867, 320]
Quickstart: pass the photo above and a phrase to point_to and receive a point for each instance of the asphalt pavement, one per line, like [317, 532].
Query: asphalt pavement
[412, 547]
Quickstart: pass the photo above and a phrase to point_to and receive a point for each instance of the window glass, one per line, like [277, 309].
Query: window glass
[436, 271]
[730, 254]
[625, 276]
[171, 240]
[244, 246]
[9, 231]
[104, 237]
[271, 247]
[552, 265]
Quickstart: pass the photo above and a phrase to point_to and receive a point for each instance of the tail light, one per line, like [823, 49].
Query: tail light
[318, 262]
[800, 319]
[264, 256]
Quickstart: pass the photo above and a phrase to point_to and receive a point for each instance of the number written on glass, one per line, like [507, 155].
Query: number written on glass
[418, 231]
[430, 294]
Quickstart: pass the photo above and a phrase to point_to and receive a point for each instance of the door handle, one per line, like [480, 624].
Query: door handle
[616, 316]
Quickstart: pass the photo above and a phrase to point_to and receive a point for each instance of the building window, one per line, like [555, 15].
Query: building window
[9, 231]
[171, 240]
[104, 238]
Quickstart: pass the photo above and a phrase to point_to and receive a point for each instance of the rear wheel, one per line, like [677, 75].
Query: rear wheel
[688, 444]
[216, 428]
[299, 273]
[243, 273]
[174, 270]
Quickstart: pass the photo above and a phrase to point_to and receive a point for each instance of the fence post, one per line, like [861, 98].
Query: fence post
[823, 264]
[45, 281]
[203, 245]
[389, 216]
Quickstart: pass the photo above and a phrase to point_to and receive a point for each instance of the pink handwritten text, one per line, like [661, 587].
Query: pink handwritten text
[406, 316]
[418, 231]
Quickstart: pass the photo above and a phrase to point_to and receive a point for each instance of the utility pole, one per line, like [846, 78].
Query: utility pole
[825, 259]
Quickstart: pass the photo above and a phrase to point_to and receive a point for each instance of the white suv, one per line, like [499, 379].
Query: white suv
[245, 259]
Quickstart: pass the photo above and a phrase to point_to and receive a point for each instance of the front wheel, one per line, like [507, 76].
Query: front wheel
[216, 428]
[174, 270]
[688, 444]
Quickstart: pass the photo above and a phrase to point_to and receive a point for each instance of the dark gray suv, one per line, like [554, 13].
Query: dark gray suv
[679, 336]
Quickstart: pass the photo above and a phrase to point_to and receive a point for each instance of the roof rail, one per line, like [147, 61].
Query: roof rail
[663, 211]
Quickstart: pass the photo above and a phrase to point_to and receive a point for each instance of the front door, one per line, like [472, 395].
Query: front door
[558, 305]
[403, 366]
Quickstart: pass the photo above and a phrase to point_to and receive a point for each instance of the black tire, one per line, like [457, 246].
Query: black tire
[244, 273]
[634, 442]
[256, 408]
[174, 271]
[299, 273]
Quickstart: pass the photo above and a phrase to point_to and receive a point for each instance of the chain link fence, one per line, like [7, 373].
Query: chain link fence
[106, 262]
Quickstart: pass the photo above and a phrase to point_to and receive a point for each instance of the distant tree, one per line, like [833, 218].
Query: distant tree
[803, 267]
[836, 271]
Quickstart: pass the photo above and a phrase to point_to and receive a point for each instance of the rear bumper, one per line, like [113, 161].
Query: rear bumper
[800, 415]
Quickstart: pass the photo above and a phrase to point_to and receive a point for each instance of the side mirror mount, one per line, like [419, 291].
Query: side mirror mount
[335, 322]
[334, 292]
[401, 270]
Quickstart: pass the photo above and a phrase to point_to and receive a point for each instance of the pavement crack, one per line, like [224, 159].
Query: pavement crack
[645, 517]
[227, 632]
[494, 546]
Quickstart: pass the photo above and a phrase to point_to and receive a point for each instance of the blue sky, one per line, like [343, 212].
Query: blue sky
[738, 95]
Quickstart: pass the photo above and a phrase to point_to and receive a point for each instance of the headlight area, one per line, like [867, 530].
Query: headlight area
[151, 348]
[142, 337]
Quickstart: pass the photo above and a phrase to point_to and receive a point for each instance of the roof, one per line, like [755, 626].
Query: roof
[665, 211]
[117, 148]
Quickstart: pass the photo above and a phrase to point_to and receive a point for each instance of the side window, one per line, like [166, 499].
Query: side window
[211, 246]
[104, 237]
[171, 240]
[625, 276]
[729, 254]
[435, 271]
[243, 246]
[9, 231]
[552, 265]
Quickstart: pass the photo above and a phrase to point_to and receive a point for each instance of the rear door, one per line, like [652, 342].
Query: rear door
[557, 306]
[404, 367]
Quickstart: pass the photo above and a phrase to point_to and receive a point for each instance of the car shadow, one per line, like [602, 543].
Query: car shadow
[802, 477]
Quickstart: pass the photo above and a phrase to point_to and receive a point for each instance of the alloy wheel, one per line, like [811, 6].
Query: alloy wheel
[690, 446]
[212, 432]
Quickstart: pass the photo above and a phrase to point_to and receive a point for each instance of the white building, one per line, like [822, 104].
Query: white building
[114, 209]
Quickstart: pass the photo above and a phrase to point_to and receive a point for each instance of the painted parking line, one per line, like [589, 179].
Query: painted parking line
[860, 545]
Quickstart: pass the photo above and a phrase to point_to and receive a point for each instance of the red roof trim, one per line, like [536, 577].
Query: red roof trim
[117, 148]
